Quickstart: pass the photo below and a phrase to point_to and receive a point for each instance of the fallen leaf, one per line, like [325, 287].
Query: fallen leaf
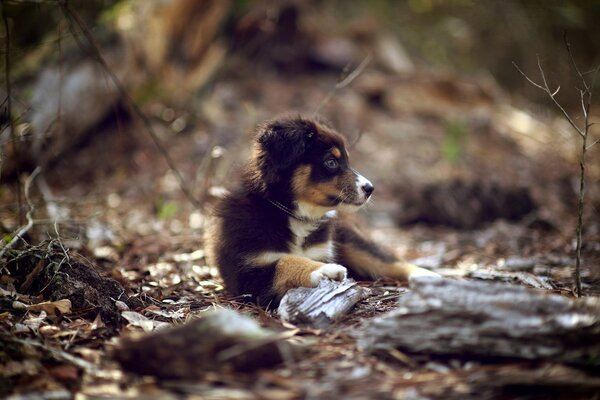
[139, 320]
[121, 306]
[49, 330]
[98, 323]
[58, 307]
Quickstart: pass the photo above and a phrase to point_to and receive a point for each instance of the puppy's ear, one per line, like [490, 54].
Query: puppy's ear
[282, 144]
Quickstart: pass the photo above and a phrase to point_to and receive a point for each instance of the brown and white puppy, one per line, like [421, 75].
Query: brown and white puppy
[284, 226]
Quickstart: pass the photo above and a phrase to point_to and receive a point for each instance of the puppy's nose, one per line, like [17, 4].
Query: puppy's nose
[368, 188]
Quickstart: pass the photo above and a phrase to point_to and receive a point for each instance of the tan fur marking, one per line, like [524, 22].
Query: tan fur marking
[212, 236]
[364, 263]
[336, 152]
[319, 193]
[301, 180]
[330, 135]
[292, 272]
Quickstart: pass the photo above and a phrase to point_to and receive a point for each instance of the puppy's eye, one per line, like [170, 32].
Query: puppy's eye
[331, 163]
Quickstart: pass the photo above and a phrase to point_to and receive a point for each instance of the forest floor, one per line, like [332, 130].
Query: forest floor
[120, 212]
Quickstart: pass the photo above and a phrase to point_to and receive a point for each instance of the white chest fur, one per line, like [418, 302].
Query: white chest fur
[300, 231]
[324, 251]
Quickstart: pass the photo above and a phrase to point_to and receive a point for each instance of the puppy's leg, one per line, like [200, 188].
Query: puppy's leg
[295, 271]
[367, 260]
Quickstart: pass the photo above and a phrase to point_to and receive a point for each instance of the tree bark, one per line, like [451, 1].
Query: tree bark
[488, 320]
[323, 305]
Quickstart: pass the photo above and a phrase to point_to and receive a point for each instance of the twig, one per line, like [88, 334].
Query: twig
[586, 102]
[11, 123]
[61, 81]
[21, 232]
[551, 94]
[344, 82]
[585, 95]
[73, 16]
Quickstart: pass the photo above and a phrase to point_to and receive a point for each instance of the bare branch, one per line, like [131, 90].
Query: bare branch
[73, 17]
[23, 230]
[11, 123]
[591, 91]
[595, 142]
[550, 94]
[556, 103]
[542, 74]
[528, 78]
[586, 101]
[344, 82]
[574, 64]
[354, 74]
[584, 106]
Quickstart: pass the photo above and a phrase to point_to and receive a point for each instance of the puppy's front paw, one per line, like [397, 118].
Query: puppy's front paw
[330, 271]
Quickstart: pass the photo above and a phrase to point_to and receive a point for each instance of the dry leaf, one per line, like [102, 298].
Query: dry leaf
[139, 320]
[58, 307]
[121, 306]
[98, 323]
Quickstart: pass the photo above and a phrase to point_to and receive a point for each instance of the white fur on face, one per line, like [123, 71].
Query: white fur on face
[361, 181]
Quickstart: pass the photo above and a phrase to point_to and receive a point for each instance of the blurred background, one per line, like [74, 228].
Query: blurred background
[465, 154]
[123, 122]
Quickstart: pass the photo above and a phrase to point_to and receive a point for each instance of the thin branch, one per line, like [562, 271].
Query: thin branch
[595, 142]
[591, 91]
[528, 78]
[354, 74]
[574, 64]
[586, 101]
[546, 89]
[344, 82]
[21, 232]
[73, 16]
[584, 107]
[11, 122]
[61, 81]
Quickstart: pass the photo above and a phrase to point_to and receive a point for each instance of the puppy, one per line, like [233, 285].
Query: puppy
[284, 227]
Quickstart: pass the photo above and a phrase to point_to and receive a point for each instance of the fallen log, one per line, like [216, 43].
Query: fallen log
[321, 306]
[488, 320]
[219, 341]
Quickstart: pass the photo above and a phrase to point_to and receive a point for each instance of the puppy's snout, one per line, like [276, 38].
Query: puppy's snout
[368, 188]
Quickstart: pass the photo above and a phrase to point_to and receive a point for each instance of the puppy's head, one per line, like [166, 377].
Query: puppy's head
[307, 161]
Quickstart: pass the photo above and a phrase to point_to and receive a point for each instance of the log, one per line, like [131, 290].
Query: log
[517, 277]
[488, 320]
[321, 306]
[219, 341]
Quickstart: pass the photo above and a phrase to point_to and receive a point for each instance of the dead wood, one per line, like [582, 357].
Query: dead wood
[488, 320]
[517, 277]
[323, 305]
[221, 340]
